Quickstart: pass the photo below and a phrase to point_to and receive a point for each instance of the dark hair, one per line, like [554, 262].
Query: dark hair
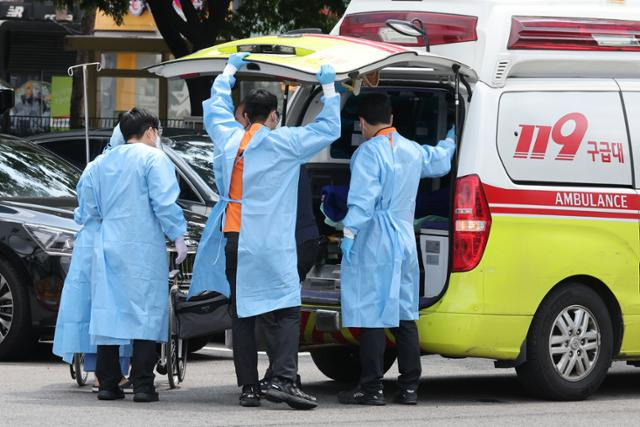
[259, 104]
[375, 108]
[135, 122]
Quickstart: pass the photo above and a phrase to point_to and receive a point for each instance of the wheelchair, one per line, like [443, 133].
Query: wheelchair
[173, 353]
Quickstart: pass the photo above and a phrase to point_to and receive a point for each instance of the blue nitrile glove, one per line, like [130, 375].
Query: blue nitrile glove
[452, 134]
[340, 88]
[236, 62]
[346, 245]
[326, 77]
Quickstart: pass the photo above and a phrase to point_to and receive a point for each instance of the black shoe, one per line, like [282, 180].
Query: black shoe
[264, 385]
[146, 397]
[282, 390]
[126, 387]
[110, 394]
[358, 396]
[407, 397]
[266, 381]
[250, 396]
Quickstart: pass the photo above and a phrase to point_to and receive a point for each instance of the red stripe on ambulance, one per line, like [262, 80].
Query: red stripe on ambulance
[563, 203]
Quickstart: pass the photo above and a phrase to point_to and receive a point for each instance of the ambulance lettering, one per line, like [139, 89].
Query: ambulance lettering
[592, 200]
[602, 151]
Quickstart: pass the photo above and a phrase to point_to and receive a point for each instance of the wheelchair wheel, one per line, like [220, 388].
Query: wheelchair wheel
[176, 360]
[77, 370]
[183, 351]
[175, 351]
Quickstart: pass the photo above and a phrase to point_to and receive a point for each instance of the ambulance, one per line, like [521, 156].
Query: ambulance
[530, 247]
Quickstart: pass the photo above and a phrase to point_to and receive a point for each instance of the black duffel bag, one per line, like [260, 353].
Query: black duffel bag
[203, 315]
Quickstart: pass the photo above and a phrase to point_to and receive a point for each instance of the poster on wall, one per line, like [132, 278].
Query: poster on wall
[60, 102]
[32, 111]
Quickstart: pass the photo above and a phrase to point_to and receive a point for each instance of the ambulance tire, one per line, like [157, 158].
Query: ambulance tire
[538, 374]
[342, 364]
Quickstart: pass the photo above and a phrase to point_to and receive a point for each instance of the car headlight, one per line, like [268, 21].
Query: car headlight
[54, 241]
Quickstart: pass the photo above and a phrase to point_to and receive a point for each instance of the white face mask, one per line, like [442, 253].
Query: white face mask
[158, 142]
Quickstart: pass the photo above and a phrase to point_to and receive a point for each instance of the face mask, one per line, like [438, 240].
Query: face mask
[158, 142]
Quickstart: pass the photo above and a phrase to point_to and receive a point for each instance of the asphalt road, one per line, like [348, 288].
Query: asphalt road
[453, 392]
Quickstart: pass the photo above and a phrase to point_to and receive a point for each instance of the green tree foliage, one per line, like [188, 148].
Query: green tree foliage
[256, 17]
[114, 8]
[214, 22]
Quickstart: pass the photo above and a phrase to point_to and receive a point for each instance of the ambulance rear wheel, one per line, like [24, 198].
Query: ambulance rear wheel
[569, 345]
[343, 363]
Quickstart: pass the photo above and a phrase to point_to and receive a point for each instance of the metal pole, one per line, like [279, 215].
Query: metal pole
[456, 70]
[70, 71]
[285, 101]
[86, 113]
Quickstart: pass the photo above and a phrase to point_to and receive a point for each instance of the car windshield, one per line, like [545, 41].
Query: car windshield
[26, 171]
[197, 152]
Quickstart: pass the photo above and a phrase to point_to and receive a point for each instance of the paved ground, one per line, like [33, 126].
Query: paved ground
[453, 392]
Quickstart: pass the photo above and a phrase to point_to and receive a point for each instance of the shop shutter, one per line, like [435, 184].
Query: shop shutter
[39, 52]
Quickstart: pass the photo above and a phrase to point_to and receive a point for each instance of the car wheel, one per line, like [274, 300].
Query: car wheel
[15, 323]
[569, 345]
[343, 363]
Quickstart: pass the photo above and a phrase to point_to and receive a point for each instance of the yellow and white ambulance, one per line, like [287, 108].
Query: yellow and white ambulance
[530, 247]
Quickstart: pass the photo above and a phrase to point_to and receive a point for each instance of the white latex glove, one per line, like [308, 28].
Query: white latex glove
[181, 247]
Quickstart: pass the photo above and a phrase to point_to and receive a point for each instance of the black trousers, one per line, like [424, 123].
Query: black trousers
[283, 331]
[372, 348]
[307, 253]
[145, 356]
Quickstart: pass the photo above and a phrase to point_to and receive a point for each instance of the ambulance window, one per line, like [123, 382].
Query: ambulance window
[421, 115]
[564, 137]
[632, 104]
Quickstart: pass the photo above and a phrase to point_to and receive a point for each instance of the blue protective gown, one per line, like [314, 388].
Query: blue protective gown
[380, 285]
[131, 191]
[74, 314]
[267, 277]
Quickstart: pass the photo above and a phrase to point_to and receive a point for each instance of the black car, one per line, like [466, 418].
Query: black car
[190, 151]
[37, 233]
[37, 198]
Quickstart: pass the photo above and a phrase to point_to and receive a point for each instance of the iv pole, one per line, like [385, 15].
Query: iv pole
[70, 71]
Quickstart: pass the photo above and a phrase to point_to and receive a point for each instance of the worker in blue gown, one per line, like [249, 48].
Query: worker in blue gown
[248, 248]
[379, 272]
[74, 315]
[131, 193]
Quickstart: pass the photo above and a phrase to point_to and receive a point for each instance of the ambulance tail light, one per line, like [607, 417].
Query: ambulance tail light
[442, 28]
[472, 223]
[586, 34]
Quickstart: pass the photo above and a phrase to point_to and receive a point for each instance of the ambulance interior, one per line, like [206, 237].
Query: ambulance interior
[423, 112]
